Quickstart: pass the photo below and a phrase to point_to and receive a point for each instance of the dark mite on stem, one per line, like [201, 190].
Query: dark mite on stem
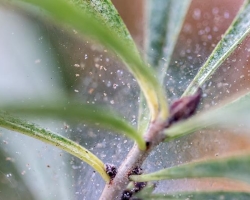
[126, 195]
[111, 170]
[136, 171]
[139, 186]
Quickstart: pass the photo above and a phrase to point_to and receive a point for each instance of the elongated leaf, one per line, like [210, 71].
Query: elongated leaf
[239, 29]
[106, 12]
[231, 115]
[157, 16]
[216, 195]
[165, 22]
[39, 173]
[67, 14]
[11, 123]
[77, 111]
[236, 167]
[103, 11]
[164, 26]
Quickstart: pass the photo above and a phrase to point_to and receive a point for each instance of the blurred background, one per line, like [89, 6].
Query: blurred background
[39, 60]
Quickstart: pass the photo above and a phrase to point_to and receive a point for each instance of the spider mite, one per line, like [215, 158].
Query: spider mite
[184, 108]
[111, 170]
[126, 195]
[139, 186]
[136, 171]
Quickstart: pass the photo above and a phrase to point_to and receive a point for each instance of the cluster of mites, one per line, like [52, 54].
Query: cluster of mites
[127, 193]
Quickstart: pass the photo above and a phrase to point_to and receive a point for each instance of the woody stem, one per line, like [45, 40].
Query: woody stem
[135, 158]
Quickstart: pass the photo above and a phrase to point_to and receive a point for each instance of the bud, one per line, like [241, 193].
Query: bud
[184, 108]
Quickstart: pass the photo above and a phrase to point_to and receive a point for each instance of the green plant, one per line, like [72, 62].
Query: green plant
[100, 21]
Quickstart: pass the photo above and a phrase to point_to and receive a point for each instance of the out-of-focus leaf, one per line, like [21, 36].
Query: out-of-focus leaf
[40, 166]
[216, 195]
[27, 69]
[238, 30]
[11, 123]
[78, 111]
[232, 115]
[69, 15]
[165, 21]
[236, 167]
[12, 185]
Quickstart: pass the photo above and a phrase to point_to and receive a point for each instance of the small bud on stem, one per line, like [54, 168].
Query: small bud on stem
[184, 108]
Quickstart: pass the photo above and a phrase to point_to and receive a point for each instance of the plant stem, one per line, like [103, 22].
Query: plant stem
[135, 158]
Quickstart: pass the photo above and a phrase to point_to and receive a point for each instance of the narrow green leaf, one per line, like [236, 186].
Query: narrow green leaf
[157, 27]
[165, 21]
[106, 12]
[232, 115]
[166, 18]
[238, 30]
[214, 195]
[69, 15]
[78, 111]
[236, 167]
[14, 124]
